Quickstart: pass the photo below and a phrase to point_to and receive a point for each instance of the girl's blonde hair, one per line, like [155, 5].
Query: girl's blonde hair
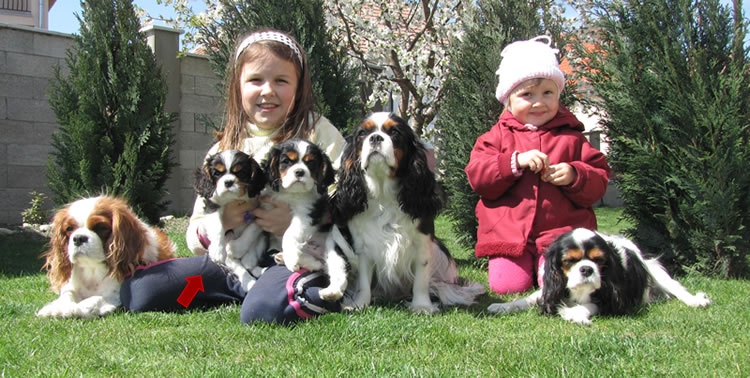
[301, 118]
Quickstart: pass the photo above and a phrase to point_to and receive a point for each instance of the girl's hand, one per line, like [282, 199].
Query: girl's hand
[535, 160]
[234, 214]
[560, 174]
[273, 216]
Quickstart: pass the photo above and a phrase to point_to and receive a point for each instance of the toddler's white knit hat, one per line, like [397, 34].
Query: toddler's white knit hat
[524, 60]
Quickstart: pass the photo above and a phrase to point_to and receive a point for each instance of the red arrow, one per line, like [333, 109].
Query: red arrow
[194, 285]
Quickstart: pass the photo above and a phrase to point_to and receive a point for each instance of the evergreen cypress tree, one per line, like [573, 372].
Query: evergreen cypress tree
[114, 135]
[674, 81]
[334, 82]
[470, 108]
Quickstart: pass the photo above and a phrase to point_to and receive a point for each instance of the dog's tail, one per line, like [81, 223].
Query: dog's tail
[445, 283]
[455, 294]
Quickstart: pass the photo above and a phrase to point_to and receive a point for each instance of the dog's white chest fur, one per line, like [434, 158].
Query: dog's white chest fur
[92, 278]
[387, 236]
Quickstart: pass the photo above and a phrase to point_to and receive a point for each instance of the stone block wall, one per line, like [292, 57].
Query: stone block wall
[27, 60]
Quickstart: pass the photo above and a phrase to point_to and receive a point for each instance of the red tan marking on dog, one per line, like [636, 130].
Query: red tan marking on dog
[574, 254]
[389, 124]
[571, 257]
[595, 254]
[368, 125]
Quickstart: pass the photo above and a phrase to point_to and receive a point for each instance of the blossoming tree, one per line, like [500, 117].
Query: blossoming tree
[400, 46]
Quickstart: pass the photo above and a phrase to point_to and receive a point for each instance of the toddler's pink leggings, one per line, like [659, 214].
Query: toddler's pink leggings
[509, 275]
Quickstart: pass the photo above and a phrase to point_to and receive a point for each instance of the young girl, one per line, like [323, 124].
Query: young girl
[536, 174]
[269, 100]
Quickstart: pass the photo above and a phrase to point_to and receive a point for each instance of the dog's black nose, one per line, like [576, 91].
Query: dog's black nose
[586, 271]
[228, 183]
[299, 173]
[79, 240]
[376, 139]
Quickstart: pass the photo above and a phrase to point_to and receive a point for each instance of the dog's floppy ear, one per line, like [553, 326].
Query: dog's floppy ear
[258, 178]
[328, 175]
[128, 239]
[350, 197]
[419, 196]
[622, 286]
[204, 184]
[271, 168]
[57, 262]
[554, 289]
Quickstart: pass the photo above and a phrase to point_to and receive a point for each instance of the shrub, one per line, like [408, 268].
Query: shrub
[114, 134]
[674, 86]
[35, 214]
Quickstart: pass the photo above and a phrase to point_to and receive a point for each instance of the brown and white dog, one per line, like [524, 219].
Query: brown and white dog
[95, 244]
[588, 273]
[388, 198]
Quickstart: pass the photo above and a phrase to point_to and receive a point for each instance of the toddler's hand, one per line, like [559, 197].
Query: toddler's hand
[273, 216]
[560, 174]
[535, 160]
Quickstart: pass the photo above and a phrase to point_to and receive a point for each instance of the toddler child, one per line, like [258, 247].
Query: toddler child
[536, 174]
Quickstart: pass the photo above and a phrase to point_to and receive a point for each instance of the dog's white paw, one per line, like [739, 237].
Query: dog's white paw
[700, 299]
[58, 309]
[256, 271]
[107, 309]
[46, 312]
[577, 314]
[350, 308]
[350, 304]
[247, 281]
[423, 308]
[330, 294]
[291, 260]
[310, 263]
[278, 258]
[94, 306]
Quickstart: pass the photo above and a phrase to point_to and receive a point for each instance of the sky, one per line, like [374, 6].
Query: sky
[62, 15]
[63, 20]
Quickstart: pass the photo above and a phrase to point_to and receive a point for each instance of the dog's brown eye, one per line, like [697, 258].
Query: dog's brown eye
[598, 260]
[395, 135]
[102, 230]
[567, 263]
[286, 160]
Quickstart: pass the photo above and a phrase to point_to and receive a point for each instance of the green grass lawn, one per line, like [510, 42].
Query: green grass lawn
[667, 339]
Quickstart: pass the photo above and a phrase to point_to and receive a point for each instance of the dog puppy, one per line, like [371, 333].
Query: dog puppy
[299, 174]
[227, 176]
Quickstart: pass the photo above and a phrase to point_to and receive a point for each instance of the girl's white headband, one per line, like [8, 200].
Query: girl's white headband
[269, 36]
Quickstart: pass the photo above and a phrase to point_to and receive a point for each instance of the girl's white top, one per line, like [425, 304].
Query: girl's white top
[258, 145]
